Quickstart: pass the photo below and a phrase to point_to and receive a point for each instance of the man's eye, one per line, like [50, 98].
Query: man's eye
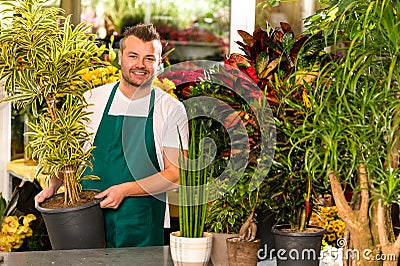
[150, 59]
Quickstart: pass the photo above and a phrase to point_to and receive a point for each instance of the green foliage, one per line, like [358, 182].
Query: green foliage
[233, 191]
[59, 143]
[286, 68]
[355, 103]
[229, 211]
[41, 56]
[273, 3]
[3, 204]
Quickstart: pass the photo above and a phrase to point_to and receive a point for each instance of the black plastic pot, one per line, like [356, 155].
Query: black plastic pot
[265, 222]
[297, 248]
[79, 227]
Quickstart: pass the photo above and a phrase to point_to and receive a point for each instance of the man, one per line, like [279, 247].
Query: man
[136, 137]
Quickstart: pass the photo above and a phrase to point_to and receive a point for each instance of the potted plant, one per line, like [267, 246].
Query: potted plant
[243, 248]
[232, 216]
[285, 67]
[191, 245]
[353, 130]
[41, 57]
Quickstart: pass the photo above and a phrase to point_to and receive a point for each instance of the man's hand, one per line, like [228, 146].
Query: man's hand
[113, 196]
[44, 194]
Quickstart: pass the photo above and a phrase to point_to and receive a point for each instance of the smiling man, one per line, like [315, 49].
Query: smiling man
[136, 144]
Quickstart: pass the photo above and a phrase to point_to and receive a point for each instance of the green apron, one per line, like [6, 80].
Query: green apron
[138, 221]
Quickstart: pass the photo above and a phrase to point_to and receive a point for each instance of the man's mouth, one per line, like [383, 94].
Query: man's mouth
[140, 72]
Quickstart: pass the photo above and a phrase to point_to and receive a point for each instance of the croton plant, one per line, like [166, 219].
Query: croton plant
[284, 68]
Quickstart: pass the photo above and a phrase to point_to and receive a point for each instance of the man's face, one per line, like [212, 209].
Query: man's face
[139, 60]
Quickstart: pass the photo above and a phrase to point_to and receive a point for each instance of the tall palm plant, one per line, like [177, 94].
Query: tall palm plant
[352, 133]
[41, 54]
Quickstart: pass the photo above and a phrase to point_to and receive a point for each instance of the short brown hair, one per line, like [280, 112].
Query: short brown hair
[145, 32]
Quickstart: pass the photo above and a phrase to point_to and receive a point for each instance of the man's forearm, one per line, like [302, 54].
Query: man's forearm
[152, 185]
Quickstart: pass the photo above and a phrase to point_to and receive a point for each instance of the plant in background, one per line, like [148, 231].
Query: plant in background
[166, 85]
[272, 3]
[328, 218]
[234, 205]
[221, 125]
[100, 75]
[41, 57]
[284, 67]
[14, 231]
[352, 132]
[188, 35]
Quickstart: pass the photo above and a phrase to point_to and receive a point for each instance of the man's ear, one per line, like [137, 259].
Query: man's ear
[119, 57]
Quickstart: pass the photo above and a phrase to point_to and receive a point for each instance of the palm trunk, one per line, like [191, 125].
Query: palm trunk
[357, 222]
[370, 229]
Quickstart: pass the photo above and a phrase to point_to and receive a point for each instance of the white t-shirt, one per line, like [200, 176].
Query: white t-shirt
[169, 115]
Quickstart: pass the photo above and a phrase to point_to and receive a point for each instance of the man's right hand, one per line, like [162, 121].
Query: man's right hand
[55, 184]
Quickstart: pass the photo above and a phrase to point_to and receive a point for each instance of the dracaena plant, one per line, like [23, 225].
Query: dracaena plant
[41, 56]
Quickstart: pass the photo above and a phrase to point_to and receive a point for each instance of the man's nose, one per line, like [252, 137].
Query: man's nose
[140, 63]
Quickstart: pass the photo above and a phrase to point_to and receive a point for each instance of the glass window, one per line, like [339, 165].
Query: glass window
[194, 29]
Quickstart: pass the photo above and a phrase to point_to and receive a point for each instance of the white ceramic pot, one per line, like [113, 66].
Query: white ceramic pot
[190, 251]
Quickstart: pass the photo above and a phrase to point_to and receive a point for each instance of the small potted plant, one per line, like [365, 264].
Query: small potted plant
[41, 57]
[243, 249]
[191, 245]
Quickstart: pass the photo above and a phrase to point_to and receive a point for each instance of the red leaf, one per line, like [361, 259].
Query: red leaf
[285, 27]
[308, 208]
[251, 71]
[247, 38]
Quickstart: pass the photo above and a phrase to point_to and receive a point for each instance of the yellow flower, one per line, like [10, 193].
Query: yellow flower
[14, 230]
[112, 55]
[330, 229]
[166, 85]
[331, 237]
[10, 224]
[28, 219]
[333, 224]
[340, 233]
[101, 75]
[324, 209]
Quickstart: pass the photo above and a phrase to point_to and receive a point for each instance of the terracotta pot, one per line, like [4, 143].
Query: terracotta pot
[242, 253]
[187, 251]
[219, 250]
